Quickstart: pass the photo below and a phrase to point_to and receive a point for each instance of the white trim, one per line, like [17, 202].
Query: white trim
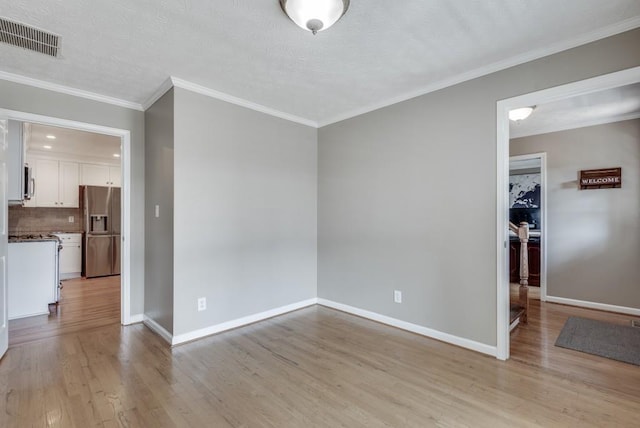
[135, 319]
[594, 305]
[125, 135]
[607, 81]
[414, 328]
[218, 328]
[68, 157]
[23, 80]
[202, 90]
[157, 328]
[575, 125]
[583, 39]
[502, 235]
[162, 89]
[543, 216]
[125, 238]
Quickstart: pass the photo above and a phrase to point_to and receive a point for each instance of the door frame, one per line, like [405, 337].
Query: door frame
[543, 216]
[606, 81]
[125, 159]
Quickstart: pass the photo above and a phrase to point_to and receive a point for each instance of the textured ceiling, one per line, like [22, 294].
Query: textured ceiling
[599, 107]
[379, 52]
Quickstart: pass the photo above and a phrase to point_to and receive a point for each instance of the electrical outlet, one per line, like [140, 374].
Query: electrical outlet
[71, 219]
[397, 296]
[157, 211]
[202, 304]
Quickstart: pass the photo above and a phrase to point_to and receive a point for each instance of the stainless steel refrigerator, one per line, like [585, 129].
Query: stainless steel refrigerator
[101, 250]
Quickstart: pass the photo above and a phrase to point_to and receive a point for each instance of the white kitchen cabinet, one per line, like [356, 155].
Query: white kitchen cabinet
[56, 184]
[69, 190]
[70, 255]
[100, 175]
[32, 278]
[15, 162]
[115, 174]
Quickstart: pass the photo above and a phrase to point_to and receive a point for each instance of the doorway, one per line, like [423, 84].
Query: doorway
[589, 86]
[529, 171]
[121, 176]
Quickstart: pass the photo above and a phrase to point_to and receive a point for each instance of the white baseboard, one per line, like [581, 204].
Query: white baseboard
[414, 328]
[157, 328]
[135, 319]
[70, 275]
[218, 328]
[594, 305]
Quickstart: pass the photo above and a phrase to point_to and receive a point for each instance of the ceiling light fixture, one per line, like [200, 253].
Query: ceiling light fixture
[314, 15]
[51, 137]
[116, 155]
[519, 114]
[47, 147]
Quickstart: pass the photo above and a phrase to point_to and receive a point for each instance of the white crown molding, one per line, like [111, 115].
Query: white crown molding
[162, 89]
[70, 157]
[611, 30]
[575, 125]
[202, 90]
[23, 80]
[219, 328]
[414, 328]
[594, 305]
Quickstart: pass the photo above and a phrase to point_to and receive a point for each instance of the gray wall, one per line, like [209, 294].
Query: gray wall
[400, 188]
[593, 236]
[245, 211]
[159, 149]
[28, 99]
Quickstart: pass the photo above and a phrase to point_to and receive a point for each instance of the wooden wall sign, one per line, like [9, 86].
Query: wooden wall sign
[600, 178]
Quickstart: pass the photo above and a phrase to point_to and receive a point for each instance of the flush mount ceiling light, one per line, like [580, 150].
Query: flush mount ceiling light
[116, 155]
[51, 137]
[519, 114]
[47, 147]
[314, 15]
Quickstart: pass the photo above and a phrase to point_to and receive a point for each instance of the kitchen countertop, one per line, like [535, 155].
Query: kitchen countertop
[33, 237]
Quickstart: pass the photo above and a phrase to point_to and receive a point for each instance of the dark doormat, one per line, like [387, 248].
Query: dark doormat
[618, 342]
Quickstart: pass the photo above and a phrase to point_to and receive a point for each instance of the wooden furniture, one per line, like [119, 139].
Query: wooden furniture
[534, 262]
[520, 311]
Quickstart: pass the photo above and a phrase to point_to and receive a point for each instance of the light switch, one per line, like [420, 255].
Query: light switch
[157, 211]
[71, 219]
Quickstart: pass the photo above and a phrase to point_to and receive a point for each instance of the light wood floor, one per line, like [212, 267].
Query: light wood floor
[315, 367]
[84, 304]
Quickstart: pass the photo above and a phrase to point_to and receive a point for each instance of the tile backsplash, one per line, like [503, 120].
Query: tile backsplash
[39, 220]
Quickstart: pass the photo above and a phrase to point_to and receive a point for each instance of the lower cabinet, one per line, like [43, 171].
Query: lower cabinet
[70, 255]
[534, 262]
[32, 278]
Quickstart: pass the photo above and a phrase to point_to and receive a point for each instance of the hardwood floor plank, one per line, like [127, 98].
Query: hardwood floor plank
[316, 367]
[84, 304]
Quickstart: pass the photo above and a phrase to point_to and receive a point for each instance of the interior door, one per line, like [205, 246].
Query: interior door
[4, 243]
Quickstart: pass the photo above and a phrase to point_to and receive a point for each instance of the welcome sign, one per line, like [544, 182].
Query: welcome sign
[600, 178]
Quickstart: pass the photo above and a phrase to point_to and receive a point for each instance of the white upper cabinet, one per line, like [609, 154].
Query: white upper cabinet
[15, 161]
[99, 175]
[115, 175]
[56, 184]
[69, 190]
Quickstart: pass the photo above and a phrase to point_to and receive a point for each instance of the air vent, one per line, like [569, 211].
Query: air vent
[27, 37]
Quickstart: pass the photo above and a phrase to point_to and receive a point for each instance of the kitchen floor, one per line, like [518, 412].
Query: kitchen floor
[84, 304]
